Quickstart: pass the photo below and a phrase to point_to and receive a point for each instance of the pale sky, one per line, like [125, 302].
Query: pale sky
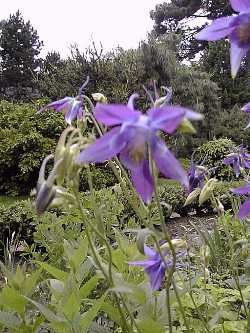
[61, 23]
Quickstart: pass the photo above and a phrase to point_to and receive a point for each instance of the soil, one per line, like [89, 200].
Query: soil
[181, 227]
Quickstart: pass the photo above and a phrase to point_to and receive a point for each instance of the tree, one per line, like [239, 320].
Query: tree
[19, 50]
[185, 18]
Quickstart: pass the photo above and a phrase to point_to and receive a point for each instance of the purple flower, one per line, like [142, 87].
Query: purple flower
[236, 28]
[155, 267]
[245, 207]
[239, 159]
[71, 107]
[196, 176]
[133, 133]
[246, 108]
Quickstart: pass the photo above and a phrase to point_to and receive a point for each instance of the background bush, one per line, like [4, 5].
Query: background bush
[212, 154]
[26, 138]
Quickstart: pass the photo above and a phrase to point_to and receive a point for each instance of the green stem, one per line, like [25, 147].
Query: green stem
[168, 239]
[89, 237]
[99, 233]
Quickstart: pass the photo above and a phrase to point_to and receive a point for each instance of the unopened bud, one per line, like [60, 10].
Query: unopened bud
[186, 127]
[192, 196]
[45, 196]
[207, 190]
[98, 97]
[177, 243]
[159, 102]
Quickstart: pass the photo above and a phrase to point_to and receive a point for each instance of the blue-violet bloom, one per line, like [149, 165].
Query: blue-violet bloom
[245, 207]
[236, 28]
[240, 159]
[155, 267]
[196, 176]
[71, 107]
[131, 137]
[246, 108]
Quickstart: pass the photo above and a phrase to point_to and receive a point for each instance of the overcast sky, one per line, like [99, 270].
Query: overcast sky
[61, 23]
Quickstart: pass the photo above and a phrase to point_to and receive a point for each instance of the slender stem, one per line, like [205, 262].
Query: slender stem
[99, 233]
[89, 237]
[168, 239]
[180, 306]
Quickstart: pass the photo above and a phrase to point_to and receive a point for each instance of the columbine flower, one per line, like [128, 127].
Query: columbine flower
[131, 137]
[236, 28]
[246, 108]
[245, 207]
[196, 176]
[239, 159]
[155, 267]
[71, 107]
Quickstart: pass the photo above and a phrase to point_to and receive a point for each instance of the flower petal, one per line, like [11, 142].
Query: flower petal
[131, 101]
[220, 28]
[236, 55]
[242, 190]
[167, 118]
[244, 209]
[168, 164]
[149, 252]
[72, 113]
[102, 149]
[114, 114]
[156, 275]
[246, 108]
[57, 105]
[240, 5]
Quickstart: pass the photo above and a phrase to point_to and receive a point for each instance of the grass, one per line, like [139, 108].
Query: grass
[8, 200]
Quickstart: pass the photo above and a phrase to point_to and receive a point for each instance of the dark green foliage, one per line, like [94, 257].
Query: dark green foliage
[212, 153]
[19, 218]
[19, 50]
[102, 176]
[26, 138]
[231, 124]
[173, 16]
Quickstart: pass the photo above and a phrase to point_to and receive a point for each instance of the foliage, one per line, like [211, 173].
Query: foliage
[19, 50]
[26, 138]
[102, 177]
[212, 153]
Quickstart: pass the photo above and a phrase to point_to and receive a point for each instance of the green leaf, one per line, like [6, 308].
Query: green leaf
[13, 299]
[86, 289]
[88, 317]
[112, 312]
[55, 272]
[10, 320]
[149, 326]
[48, 314]
[31, 281]
[71, 307]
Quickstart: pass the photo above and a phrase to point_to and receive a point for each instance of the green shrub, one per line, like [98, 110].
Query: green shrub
[102, 177]
[19, 218]
[26, 138]
[212, 155]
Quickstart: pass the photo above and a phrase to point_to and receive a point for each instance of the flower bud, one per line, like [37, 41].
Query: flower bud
[192, 196]
[186, 127]
[98, 97]
[207, 190]
[177, 243]
[45, 196]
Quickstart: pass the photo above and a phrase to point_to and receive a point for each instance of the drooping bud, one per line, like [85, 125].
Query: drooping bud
[98, 97]
[207, 190]
[44, 197]
[192, 196]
